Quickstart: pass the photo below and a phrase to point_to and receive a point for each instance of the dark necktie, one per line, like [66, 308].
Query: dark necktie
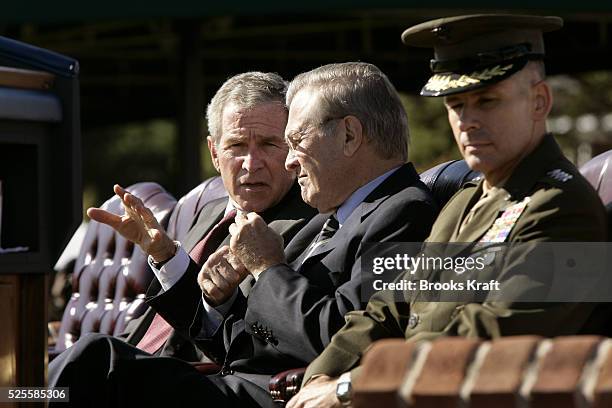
[327, 232]
[159, 330]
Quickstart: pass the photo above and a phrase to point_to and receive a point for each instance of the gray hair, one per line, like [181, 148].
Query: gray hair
[246, 90]
[364, 91]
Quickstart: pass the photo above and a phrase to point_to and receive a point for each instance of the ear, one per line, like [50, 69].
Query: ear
[543, 101]
[353, 137]
[214, 155]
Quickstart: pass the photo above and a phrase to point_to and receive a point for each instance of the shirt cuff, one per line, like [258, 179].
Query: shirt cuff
[173, 270]
[214, 316]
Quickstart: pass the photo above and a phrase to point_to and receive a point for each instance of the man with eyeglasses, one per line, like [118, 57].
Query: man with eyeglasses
[490, 71]
[347, 132]
[348, 142]
[348, 137]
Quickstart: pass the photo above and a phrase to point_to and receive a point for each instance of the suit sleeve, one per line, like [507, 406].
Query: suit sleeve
[300, 315]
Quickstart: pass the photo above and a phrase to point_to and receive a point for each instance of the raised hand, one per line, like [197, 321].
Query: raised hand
[138, 225]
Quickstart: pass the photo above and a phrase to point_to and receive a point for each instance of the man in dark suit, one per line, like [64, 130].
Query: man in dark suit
[348, 142]
[246, 119]
[249, 153]
[489, 70]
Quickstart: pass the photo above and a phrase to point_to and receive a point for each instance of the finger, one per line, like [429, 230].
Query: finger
[252, 216]
[234, 245]
[216, 257]
[202, 276]
[240, 218]
[132, 200]
[120, 191]
[223, 251]
[148, 218]
[211, 292]
[293, 402]
[229, 273]
[233, 229]
[105, 217]
[128, 205]
[219, 280]
[207, 285]
[238, 266]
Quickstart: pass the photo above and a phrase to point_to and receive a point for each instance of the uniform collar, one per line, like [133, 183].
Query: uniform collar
[529, 170]
[533, 167]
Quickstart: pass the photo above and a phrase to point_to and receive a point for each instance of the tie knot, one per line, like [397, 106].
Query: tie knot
[229, 216]
[330, 227]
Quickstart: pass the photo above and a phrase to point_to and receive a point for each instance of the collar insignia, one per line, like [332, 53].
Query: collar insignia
[560, 175]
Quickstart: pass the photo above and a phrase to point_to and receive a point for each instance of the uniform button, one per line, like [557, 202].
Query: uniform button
[413, 321]
[226, 371]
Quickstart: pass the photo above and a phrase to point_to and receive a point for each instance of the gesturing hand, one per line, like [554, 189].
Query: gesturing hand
[256, 245]
[220, 276]
[138, 225]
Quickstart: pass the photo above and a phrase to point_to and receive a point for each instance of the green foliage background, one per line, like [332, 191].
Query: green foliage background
[147, 151]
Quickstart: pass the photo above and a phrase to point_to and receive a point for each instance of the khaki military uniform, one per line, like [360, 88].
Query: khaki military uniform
[556, 204]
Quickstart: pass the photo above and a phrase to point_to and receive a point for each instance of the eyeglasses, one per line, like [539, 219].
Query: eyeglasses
[295, 138]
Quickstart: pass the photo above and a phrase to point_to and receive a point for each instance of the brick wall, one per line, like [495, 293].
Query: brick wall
[522, 371]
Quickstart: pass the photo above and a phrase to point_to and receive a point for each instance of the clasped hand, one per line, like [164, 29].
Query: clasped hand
[255, 244]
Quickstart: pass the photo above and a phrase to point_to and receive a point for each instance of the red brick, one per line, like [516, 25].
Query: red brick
[440, 381]
[560, 371]
[602, 396]
[384, 368]
[501, 374]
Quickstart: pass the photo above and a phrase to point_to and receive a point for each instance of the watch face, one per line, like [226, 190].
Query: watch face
[343, 391]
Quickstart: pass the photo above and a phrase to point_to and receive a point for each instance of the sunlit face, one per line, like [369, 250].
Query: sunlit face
[316, 154]
[251, 155]
[493, 126]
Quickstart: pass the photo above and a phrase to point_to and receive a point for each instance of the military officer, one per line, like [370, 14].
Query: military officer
[489, 70]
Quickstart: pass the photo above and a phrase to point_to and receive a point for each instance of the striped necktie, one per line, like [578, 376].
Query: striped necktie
[160, 330]
[327, 232]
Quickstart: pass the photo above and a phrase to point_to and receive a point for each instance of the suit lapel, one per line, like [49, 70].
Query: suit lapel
[209, 216]
[141, 328]
[406, 175]
[297, 248]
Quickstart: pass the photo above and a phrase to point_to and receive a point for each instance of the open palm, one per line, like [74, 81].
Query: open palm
[138, 225]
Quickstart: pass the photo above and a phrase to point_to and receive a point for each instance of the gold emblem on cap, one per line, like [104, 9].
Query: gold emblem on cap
[443, 82]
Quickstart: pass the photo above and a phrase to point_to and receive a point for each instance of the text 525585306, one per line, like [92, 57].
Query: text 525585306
[33, 394]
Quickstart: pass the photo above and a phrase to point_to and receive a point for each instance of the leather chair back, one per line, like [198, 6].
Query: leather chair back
[445, 179]
[110, 272]
[111, 275]
[598, 171]
[189, 206]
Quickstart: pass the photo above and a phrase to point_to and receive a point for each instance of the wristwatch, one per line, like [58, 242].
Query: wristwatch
[344, 390]
[158, 265]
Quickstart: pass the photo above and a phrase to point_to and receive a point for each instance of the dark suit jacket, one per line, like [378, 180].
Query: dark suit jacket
[294, 309]
[286, 218]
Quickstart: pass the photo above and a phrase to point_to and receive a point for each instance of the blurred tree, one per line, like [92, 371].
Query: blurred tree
[431, 139]
[128, 154]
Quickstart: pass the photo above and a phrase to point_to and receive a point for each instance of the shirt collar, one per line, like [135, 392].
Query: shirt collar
[231, 205]
[347, 208]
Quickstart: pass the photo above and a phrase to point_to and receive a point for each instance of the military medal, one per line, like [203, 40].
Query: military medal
[503, 225]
